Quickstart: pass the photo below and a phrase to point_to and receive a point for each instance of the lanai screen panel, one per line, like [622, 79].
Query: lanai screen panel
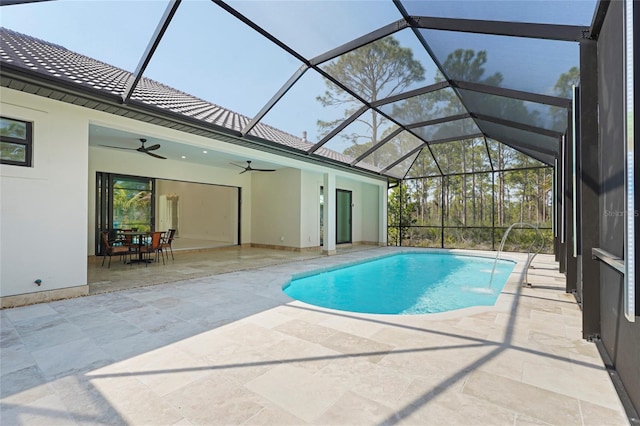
[516, 110]
[449, 129]
[463, 156]
[526, 64]
[547, 159]
[70, 23]
[424, 165]
[232, 71]
[525, 197]
[565, 12]
[300, 110]
[428, 194]
[187, 59]
[390, 66]
[522, 138]
[397, 147]
[428, 106]
[468, 200]
[504, 157]
[359, 136]
[61, 30]
[400, 170]
[315, 27]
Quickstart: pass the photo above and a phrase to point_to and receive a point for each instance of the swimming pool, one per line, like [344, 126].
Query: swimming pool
[405, 284]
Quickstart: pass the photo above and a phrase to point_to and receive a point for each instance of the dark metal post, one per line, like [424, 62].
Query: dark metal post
[239, 216]
[571, 261]
[400, 218]
[589, 182]
[493, 210]
[442, 211]
[560, 199]
[556, 229]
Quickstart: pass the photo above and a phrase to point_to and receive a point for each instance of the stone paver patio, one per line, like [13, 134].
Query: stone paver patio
[232, 349]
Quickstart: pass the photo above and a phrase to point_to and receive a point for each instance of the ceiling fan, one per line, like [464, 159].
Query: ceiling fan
[251, 169]
[142, 148]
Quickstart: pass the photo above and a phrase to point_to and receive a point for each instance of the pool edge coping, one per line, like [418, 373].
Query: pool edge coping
[497, 306]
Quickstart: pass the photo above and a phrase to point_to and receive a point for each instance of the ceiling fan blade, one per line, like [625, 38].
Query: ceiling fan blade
[156, 155]
[119, 147]
[244, 171]
[238, 165]
[152, 147]
[263, 170]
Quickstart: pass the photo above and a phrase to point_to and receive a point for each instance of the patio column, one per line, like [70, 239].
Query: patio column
[329, 214]
[589, 203]
[571, 258]
[382, 212]
[560, 225]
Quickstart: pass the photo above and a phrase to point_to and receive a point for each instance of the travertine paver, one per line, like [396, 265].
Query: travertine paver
[231, 348]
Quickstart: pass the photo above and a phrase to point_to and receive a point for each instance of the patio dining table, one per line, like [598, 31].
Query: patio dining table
[138, 236]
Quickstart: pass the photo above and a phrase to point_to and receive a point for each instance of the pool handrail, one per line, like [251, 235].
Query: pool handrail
[529, 257]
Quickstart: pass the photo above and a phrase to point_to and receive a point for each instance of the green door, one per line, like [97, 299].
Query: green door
[343, 216]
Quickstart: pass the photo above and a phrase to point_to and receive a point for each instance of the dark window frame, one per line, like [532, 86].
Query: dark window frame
[104, 215]
[27, 142]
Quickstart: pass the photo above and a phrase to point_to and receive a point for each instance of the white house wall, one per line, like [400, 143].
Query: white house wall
[275, 201]
[310, 209]
[365, 218]
[370, 214]
[205, 212]
[290, 199]
[43, 209]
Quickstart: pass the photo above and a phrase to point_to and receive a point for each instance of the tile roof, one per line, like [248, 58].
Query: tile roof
[47, 58]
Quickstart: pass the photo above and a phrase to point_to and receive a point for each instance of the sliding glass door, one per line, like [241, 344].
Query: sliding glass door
[123, 202]
[343, 216]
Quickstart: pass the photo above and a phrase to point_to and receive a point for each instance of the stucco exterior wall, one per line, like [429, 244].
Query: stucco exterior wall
[365, 219]
[43, 209]
[275, 200]
[310, 209]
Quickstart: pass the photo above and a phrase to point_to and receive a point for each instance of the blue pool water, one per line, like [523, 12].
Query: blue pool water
[408, 283]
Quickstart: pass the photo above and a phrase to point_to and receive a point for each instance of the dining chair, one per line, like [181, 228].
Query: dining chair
[153, 247]
[167, 240]
[124, 240]
[111, 250]
[115, 237]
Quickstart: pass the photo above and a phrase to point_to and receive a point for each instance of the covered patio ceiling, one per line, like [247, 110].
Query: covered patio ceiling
[379, 87]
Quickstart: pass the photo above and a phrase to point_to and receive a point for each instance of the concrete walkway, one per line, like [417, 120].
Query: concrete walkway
[233, 349]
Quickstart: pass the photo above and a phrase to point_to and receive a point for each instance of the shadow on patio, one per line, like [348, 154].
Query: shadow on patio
[233, 349]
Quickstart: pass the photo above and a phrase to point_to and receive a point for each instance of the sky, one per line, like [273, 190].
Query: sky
[207, 52]
[210, 54]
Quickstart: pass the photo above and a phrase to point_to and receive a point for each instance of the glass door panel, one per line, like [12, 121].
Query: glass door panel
[322, 216]
[123, 202]
[343, 216]
[132, 203]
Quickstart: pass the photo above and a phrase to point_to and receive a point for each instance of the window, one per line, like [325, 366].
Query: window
[16, 138]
